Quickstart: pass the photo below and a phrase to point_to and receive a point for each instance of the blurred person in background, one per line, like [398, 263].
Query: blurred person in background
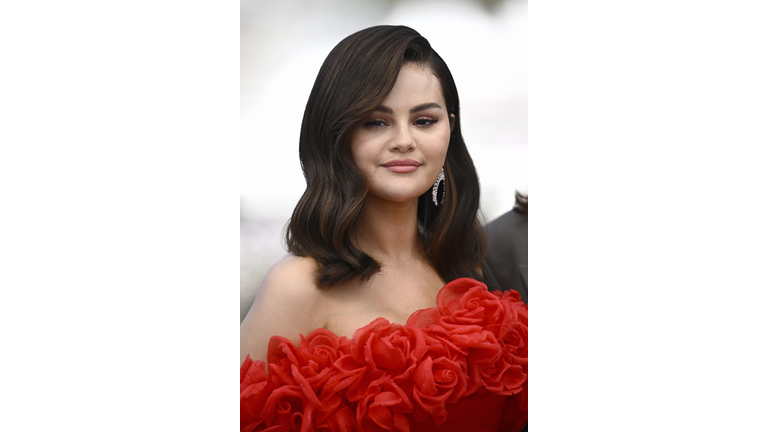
[378, 318]
[506, 262]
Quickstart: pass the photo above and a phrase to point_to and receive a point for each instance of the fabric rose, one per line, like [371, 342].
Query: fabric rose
[516, 340]
[254, 390]
[459, 353]
[316, 354]
[467, 302]
[481, 346]
[310, 368]
[309, 365]
[505, 377]
[348, 377]
[281, 355]
[287, 406]
[391, 346]
[338, 416]
[495, 351]
[513, 378]
[381, 349]
[440, 378]
[320, 349]
[383, 407]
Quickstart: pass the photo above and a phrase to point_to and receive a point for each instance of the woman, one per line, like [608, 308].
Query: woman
[388, 217]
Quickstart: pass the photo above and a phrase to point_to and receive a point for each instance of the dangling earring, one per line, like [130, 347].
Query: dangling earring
[440, 178]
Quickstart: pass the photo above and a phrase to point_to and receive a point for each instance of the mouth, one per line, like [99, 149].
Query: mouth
[402, 165]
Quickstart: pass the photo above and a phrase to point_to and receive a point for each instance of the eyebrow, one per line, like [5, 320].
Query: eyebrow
[417, 108]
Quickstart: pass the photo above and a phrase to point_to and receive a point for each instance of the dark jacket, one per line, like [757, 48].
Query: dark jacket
[506, 263]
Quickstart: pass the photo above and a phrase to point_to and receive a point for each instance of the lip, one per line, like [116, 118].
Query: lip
[402, 165]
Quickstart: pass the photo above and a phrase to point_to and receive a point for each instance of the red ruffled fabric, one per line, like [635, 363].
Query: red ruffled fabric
[460, 366]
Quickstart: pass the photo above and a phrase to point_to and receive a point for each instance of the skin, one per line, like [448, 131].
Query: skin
[288, 302]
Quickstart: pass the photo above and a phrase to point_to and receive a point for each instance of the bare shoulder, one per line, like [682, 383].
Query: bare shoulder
[284, 306]
[291, 275]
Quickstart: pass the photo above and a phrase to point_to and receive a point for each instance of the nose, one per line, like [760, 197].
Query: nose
[403, 140]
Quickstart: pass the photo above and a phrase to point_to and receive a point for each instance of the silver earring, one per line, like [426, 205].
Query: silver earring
[440, 178]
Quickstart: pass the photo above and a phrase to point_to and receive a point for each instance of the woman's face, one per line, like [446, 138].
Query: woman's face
[401, 147]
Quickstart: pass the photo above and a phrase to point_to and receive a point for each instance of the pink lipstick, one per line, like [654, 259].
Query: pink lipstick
[402, 165]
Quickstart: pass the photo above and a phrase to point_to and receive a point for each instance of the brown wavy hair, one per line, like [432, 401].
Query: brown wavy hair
[355, 78]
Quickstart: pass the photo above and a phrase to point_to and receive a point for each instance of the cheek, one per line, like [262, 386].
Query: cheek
[360, 152]
[439, 147]
[364, 161]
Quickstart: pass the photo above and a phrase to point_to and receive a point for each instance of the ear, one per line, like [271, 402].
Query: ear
[452, 121]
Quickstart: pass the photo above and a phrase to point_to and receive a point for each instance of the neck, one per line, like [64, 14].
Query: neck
[388, 232]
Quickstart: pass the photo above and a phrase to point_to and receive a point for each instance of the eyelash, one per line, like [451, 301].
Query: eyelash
[428, 122]
[422, 122]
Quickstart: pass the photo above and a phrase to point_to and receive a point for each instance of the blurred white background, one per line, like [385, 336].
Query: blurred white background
[283, 44]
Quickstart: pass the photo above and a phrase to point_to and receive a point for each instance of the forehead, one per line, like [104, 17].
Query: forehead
[415, 84]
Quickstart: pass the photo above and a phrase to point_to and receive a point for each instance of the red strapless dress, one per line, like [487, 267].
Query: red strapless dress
[462, 366]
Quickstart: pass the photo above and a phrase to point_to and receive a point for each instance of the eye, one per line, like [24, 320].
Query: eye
[425, 122]
[375, 124]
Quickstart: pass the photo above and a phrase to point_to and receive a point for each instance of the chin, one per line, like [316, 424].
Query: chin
[401, 197]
